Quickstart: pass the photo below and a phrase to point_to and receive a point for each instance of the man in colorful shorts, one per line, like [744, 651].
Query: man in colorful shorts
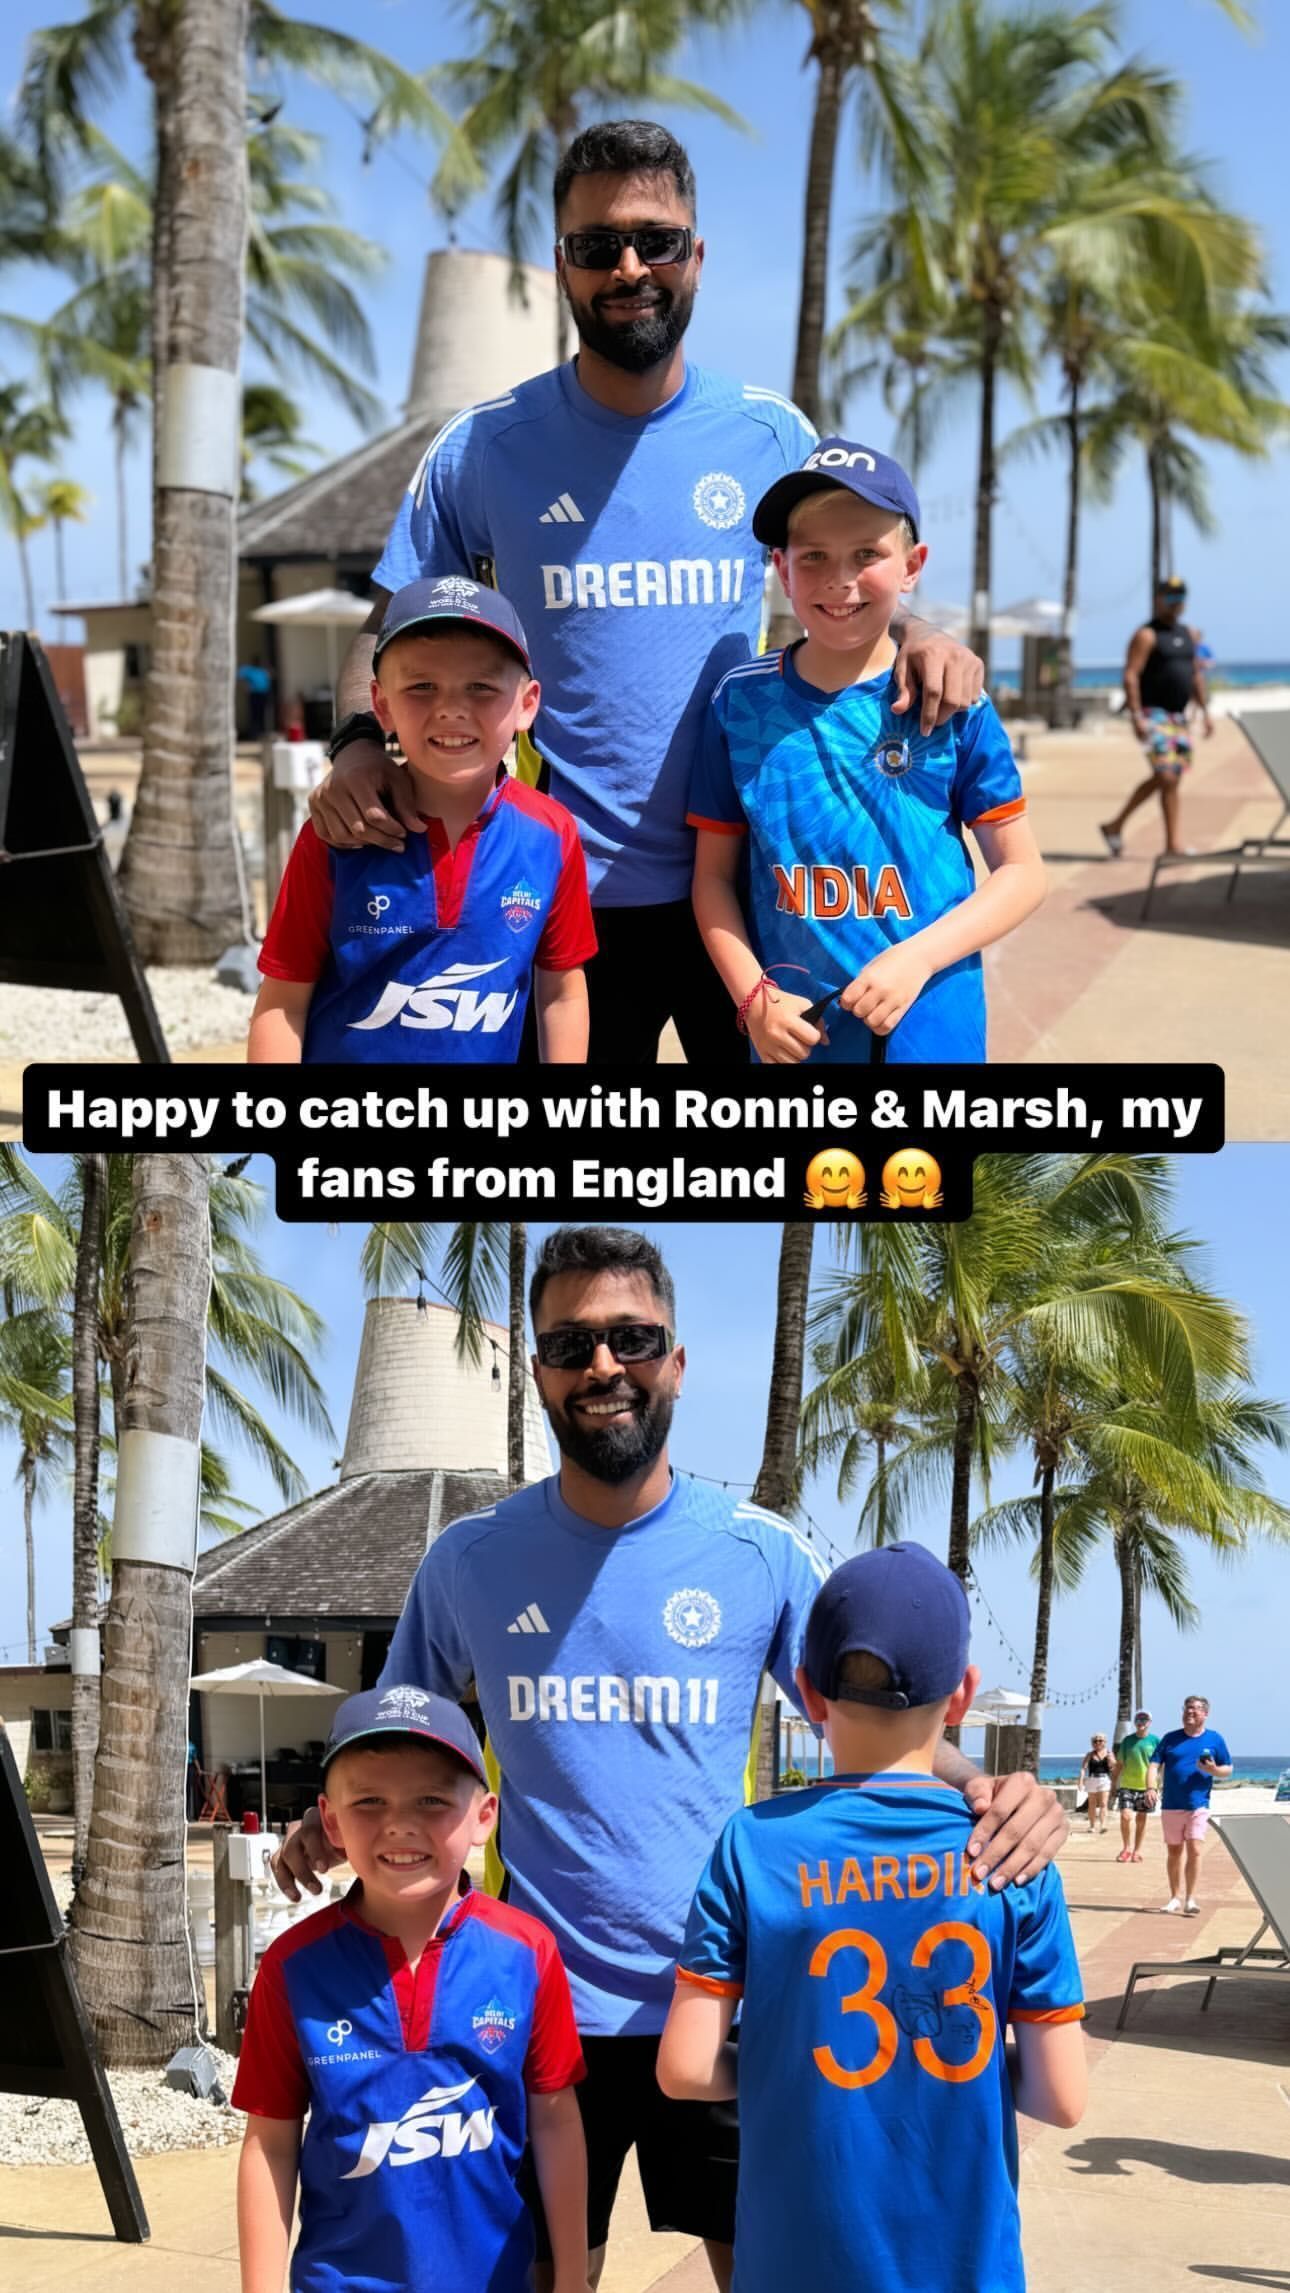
[1189, 1759]
[1133, 1757]
[1162, 677]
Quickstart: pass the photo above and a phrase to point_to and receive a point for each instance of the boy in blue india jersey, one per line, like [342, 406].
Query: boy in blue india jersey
[423, 2028]
[859, 887]
[877, 2095]
[429, 953]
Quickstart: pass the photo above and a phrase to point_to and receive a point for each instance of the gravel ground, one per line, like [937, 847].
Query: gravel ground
[54, 1023]
[153, 2118]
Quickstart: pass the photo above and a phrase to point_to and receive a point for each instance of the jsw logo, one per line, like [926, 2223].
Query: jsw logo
[444, 1001]
[430, 2129]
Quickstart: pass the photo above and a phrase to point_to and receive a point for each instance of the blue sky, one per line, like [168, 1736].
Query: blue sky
[725, 1277]
[750, 201]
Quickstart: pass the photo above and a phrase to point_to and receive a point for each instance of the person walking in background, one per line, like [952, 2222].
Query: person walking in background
[1095, 1776]
[258, 685]
[1162, 677]
[1131, 1774]
[1189, 1759]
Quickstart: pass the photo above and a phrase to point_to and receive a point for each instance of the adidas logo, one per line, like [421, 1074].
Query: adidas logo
[565, 511]
[530, 1619]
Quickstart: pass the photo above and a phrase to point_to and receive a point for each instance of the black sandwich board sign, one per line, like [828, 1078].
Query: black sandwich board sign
[46, 2042]
[61, 922]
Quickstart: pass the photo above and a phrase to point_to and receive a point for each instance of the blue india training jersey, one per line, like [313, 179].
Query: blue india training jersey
[414, 2083]
[878, 2142]
[854, 822]
[626, 545]
[428, 954]
[618, 1672]
[1183, 1781]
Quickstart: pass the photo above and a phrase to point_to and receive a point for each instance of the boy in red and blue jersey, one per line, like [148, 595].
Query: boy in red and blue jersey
[429, 953]
[859, 902]
[877, 1977]
[422, 2029]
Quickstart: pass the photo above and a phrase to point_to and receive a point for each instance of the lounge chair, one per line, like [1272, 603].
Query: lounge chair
[1268, 733]
[1259, 1845]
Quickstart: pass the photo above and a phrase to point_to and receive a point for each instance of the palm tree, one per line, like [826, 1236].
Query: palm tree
[29, 432]
[59, 502]
[779, 1474]
[517, 1373]
[181, 870]
[1002, 112]
[535, 68]
[129, 1920]
[271, 433]
[86, 1651]
[35, 1408]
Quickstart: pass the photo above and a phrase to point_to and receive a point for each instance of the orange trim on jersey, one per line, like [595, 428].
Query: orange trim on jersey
[710, 1984]
[1045, 2014]
[1011, 811]
[717, 827]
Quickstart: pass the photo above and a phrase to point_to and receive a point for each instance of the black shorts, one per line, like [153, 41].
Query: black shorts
[687, 2152]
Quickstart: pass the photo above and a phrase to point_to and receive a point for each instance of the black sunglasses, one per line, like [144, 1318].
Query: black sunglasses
[655, 244]
[575, 1347]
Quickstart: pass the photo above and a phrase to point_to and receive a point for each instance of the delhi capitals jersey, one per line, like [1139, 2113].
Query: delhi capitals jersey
[855, 822]
[415, 2086]
[428, 954]
[878, 2140]
[625, 543]
[617, 1671]
[1184, 1782]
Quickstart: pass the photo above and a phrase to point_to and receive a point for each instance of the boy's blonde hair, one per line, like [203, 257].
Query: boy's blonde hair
[798, 515]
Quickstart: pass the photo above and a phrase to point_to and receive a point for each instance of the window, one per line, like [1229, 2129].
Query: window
[51, 1731]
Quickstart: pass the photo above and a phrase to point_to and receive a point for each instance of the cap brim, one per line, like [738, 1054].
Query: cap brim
[773, 511]
[418, 1735]
[475, 621]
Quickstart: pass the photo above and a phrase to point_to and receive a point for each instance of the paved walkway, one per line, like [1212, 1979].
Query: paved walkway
[1178, 2177]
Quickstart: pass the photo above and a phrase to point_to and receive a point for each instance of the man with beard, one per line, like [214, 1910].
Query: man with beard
[615, 1622]
[612, 500]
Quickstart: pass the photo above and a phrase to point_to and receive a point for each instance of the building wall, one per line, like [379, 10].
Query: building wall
[476, 338]
[416, 1406]
[231, 1723]
[25, 1689]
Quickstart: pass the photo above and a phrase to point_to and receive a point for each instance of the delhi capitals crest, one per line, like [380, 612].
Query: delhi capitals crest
[492, 2025]
[521, 906]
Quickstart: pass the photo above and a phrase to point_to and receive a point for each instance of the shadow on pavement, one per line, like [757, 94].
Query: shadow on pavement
[1170, 2017]
[1260, 912]
[64, 2236]
[1270, 2277]
[1105, 2154]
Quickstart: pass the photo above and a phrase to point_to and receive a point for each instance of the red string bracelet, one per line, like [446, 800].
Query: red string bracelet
[741, 1015]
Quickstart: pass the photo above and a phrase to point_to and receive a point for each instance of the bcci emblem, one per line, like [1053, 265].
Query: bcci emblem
[520, 906]
[407, 1702]
[492, 2025]
[719, 500]
[453, 591]
[692, 1618]
[893, 758]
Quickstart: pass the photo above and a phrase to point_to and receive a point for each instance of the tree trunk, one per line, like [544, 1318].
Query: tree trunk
[28, 594]
[967, 1402]
[1065, 696]
[129, 1924]
[181, 870]
[821, 165]
[517, 1380]
[1043, 1624]
[1124, 1690]
[880, 1463]
[28, 1471]
[1157, 522]
[86, 1657]
[985, 489]
[777, 1475]
[1137, 1630]
[122, 532]
[60, 567]
[563, 124]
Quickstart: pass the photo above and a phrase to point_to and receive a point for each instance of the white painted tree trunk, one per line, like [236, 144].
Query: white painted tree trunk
[181, 870]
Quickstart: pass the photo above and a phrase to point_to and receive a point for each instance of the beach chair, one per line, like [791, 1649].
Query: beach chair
[1259, 1845]
[1268, 733]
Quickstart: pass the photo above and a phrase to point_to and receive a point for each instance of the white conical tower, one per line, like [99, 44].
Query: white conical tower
[475, 338]
[417, 1407]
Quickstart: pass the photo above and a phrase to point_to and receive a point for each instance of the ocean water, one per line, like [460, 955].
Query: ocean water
[1063, 1767]
[1220, 673]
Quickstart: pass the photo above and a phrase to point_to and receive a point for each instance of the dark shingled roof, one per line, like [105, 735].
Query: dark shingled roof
[345, 510]
[351, 1551]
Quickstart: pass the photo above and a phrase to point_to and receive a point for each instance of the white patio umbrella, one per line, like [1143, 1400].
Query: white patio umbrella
[260, 1678]
[329, 609]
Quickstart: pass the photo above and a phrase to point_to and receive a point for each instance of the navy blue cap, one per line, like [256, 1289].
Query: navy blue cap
[405, 1712]
[1172, 585]
[899, 1603]
[450, 597]
[836, 462]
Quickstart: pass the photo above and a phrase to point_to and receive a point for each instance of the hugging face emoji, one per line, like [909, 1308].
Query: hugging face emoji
[835, 1180]
[911, 1180]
